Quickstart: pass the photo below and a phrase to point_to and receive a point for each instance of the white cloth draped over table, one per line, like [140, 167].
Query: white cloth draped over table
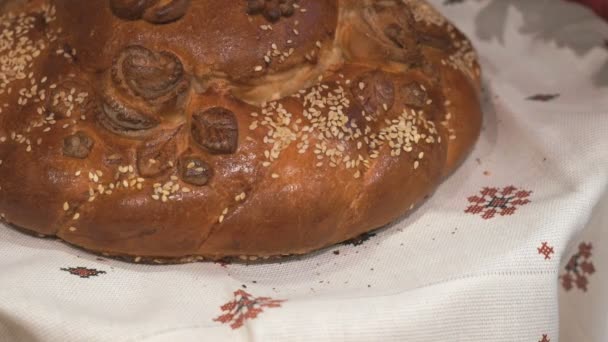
[512, 247]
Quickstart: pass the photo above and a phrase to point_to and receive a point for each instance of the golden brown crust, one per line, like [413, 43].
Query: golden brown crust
[196, 128]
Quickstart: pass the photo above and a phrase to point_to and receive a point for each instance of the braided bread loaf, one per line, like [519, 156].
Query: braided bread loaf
[181, 130]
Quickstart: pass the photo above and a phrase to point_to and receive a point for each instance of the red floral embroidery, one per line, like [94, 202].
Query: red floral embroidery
[83, 272]
[546, 250]
[545, 338]
[579, 267]
[497, 201]
[243, 307]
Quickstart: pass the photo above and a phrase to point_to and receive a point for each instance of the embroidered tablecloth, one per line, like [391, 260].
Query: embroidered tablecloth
[512, 247]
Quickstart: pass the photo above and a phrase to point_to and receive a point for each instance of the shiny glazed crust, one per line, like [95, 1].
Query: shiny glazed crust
[181, 130]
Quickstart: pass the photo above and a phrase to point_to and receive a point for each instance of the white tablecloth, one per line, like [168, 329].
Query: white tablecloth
[533, 269]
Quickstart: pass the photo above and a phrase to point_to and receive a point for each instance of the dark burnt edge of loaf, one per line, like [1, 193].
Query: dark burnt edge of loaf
[159, 261]
[27, 231]
[155, 261]
[359, 240]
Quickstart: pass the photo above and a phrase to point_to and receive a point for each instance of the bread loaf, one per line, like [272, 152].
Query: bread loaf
[184, 130]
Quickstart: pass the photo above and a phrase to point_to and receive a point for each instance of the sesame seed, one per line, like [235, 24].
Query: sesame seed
[66, 206]
[240, 197]
[72, 229]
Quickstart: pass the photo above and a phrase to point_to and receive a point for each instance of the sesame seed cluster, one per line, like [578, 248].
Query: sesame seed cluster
[99, 185]
[21, 47]
[18, 50]
[464, 58]
[337, 140]
[276, 54]
[425, 13]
